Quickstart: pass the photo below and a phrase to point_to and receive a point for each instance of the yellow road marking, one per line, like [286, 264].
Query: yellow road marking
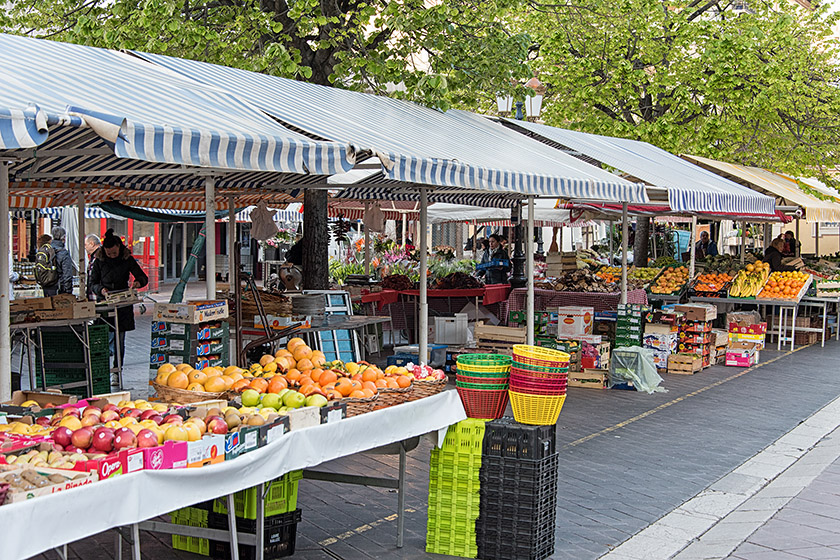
[361, 529]
[677, 400]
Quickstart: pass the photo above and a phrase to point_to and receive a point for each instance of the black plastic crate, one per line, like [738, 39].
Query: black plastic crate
[280, 535]
[504, 471]
[507, 438]
[502, 508]
[520, 545]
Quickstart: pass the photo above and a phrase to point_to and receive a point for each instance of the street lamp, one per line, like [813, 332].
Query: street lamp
[532, 105]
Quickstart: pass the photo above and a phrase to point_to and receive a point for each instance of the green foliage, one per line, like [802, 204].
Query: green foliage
[756, 87]
[442, 266]
[339, 271]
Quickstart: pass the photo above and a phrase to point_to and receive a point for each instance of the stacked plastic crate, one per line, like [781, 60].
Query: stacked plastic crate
[66, 358]
[628, 331]
[519, 470]
[454, 487]
[281, 519]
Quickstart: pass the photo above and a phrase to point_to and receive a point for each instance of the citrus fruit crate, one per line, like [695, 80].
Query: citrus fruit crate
[466, 436]
[281, 498]
[279, 536]
[507, 438]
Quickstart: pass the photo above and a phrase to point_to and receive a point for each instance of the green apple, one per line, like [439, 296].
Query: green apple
[283, 392]
[250, 398]
[293, 399]
[283, 410]
[271, 400]
[316, 400]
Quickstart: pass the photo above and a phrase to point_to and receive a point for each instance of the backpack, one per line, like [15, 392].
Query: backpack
[46, 270]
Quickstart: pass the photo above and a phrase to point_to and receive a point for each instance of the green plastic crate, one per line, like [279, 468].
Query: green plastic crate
[191, 517]
[467, 435]
[281, 498]
[463, 545]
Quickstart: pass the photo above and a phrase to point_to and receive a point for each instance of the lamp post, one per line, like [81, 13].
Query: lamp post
[533, 105]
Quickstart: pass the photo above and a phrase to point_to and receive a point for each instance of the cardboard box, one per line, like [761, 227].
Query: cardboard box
[42, 398]
[699, 349]
[182, 331]
[684, 364]
[696, 338]
[170, 455]
[209, 450]
[124, 462]
[589, 378]
[190, 348]
[661, 328]
[720, 337]
[76, 479]
[662, 342]
[79, 310]
[30, 304]
[743, 327]
[697, 326]
[114, 398]
[697, 312]
[753, 338]
[191, 312]
[742, 354]
[664, 318]
[573, 321]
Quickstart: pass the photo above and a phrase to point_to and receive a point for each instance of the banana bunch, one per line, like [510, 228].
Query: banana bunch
[749, 283]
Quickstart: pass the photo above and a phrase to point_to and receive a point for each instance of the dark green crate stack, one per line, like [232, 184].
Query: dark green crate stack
[281, 499]
[454, 491]
[65, 357]
[629, 324]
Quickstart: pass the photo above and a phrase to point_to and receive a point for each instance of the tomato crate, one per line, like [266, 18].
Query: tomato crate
[507, 438]
[279, 536]
[280, 498]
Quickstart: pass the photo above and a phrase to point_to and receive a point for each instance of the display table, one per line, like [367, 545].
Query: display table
[493, 293]
[129, 499]
[545, 300]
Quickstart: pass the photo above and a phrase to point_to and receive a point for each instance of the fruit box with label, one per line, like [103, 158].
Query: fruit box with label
[744, 327]
[742, 354]
[209, 450]
[695, 338]
[250, 438]
[753, 338]
[660, 328]
[664, 318]
[190, 348]
[181, 331]
[697, 326]
[573, 320]
[697, 312]
[191, 312]
[72, 480]
[169, 455]
[48, 401]
[685, 364]
[124, 462]
[589, 378]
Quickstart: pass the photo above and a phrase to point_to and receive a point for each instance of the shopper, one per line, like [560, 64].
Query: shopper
[92, 243]
[295, 253]
[705, 247]
[773, 255]
[497, 274]
[55, 264]
[791, 245]
[113, 264]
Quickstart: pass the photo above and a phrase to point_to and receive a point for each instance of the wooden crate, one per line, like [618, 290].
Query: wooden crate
[498, 340]
[684, 364]
[589, 378]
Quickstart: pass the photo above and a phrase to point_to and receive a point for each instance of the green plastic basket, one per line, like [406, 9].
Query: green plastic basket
[489, 374]
[482, 386]
[484, 363]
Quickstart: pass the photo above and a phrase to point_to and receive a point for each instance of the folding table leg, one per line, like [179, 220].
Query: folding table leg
[61, 551]
[118, 544]
[825, 321]
[260, 544]
[234, 538]
[401, 498]
[135, 539]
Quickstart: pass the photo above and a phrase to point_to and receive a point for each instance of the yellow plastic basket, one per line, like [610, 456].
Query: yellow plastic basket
[540, 356]
[539, 410]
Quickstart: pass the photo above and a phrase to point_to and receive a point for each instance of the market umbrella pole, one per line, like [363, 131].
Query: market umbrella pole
[624, 234]
[184, 253]
[817, 239]
[692, 248]
[529, 271]
[210, 233]
[80, 207]
[189, 266]
[423, 335]
[367, 242]
[5, 331]
[231, 242]
[612, 249]
[743, 241]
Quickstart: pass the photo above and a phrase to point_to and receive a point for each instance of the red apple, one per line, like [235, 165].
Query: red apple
[173, 419]
[82, 438]
[111, 406]
[54, 421]
[73, 449]
[157, 418]
[103, 440]
[57, 447]
[109, 415]
[72, 412]
[146, 414]
[124, 439]
[92, 410]
[146, 438]
[124, 411]
[217, 426]
[43, 420]
[90, 420]
[134, 413]
[61, 435]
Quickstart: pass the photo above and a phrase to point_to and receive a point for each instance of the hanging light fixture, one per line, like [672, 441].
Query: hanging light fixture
[533, 103]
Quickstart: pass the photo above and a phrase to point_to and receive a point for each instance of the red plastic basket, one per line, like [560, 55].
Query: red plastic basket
[538, 383]
[482, 380]
[527, 388]
[486, 405]
[531, 374]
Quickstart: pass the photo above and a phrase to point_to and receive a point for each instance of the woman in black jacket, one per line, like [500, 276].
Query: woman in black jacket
[497, 274]
[773, 255]
[110, 272]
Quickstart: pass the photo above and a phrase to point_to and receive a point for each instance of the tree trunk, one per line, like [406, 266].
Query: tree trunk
[641, 246]
[316, 240]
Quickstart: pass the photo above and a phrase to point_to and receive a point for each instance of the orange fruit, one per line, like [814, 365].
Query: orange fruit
[301, 352]
[315, 374]
[403, 381]
[277, 384]
[327, 377]
[215, 384]
[344, 386]
[305, 380]
[305, 364]
[229, 381]
[195, 387]
[236, 376]
[178, 380]
[183, 367]
[369, 375]
[212, 372]
[391, 383]
[294, 343]
[293, 375]
[162, 376]
[380, 383]
[333, 394]
[240, 385]
[258, 384]
[368, 393]
[358, 394]
[196, 376]
[369, 385]
[167, 369]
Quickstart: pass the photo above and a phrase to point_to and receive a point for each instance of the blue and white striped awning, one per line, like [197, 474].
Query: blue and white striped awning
[140, 111]
[488, 200]
[91, 213]
[690, 187]
[416, 144]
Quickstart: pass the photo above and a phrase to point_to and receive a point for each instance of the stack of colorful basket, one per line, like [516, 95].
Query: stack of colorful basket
[482, 383]
[538, 384]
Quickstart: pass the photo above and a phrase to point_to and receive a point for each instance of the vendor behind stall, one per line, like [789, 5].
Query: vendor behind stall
[791, 248]
[773, 255]
[496, 252]
[705, 247]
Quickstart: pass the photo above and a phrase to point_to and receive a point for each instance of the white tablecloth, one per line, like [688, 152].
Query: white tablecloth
[31, 527]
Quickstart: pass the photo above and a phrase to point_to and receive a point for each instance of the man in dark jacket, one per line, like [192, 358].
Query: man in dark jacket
[63, 263]
[111, 269]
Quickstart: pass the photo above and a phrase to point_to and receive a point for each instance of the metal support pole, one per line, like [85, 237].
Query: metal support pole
[612, 249]
[817, 239]
[234, 540]
[743, 241]
[80, 203]
[529, 271]
[624, 234]
[404, 229]
[367, 242]
[260, 533]
[183, 247]
[231, 241]
[475, 240]
[693, 247]
[135, 541]
[210, 235]
[5, 287]
[401, 498]
[423, 326]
